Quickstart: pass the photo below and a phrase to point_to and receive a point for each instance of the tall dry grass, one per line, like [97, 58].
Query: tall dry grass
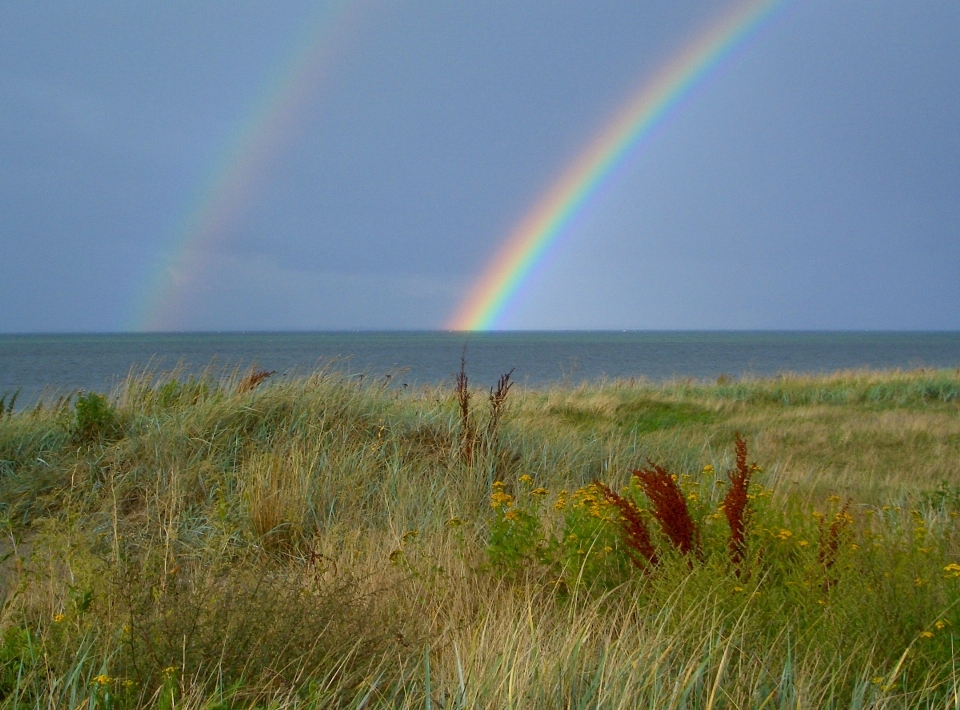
[321, 542]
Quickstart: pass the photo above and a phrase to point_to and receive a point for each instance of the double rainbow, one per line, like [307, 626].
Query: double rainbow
[499, 284]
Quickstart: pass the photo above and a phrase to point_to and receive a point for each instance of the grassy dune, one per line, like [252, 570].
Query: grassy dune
[329, 542]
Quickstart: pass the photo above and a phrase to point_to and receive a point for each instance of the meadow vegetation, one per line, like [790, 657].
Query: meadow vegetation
[335, 541]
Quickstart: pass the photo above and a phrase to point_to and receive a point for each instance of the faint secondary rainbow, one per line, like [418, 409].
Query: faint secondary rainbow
[500, 283]
[231, 182]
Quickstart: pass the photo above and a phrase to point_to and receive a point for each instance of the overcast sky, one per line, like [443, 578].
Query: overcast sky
[811, 181]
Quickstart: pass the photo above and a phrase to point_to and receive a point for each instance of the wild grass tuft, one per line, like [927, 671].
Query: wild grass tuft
[331, 542]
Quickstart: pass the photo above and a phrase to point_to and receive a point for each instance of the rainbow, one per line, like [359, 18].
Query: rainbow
[231, 181]
[526, 246]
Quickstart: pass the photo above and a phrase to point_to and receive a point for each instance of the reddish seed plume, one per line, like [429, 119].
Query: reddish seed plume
[830, 538]
[735, 504]
[669, 507]
[633, 526]
[252, 379]
[467, 434]
[498, 399]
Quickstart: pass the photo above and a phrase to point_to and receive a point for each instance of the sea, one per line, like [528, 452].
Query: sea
[45, 366]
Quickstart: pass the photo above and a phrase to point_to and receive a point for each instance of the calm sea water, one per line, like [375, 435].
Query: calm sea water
[61, 363]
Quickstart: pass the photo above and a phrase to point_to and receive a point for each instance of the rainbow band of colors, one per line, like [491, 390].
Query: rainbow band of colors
[498, 286]
[219, 201]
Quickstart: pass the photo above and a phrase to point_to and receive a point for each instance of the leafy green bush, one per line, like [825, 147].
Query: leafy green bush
[95, 420]
[885, 574]
[516, 535]
[17, 656]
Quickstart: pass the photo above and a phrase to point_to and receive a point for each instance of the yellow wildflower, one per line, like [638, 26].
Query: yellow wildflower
[512, 515]
[784, 534]
[918, 582]
[952, 570]
[102, 679]
[57, 618]
[525, 479]
[939, 624]
[926, 634]
[802, 543]
[539, 491]
[834, 499]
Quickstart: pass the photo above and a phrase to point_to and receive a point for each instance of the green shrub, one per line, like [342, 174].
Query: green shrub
[95, 420]
[516, 536]
[17, 656]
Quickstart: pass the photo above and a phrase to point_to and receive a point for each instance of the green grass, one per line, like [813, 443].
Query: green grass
[323, 542]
